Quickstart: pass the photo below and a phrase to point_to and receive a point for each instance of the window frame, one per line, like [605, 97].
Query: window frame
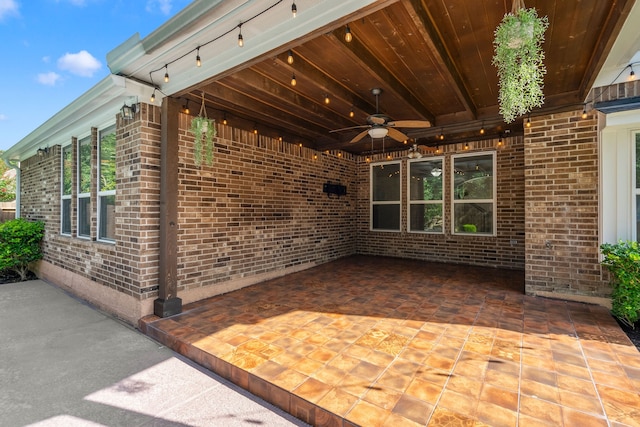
[492, 200]
[104, 193]
[82, 196]
[66, 197]
[635, 193]
[373, 203]
[441, 201]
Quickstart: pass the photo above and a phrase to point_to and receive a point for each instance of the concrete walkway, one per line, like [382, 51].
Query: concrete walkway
[63, 363]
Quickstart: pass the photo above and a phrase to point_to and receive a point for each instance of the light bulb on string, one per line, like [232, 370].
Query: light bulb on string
[351, 113]
[153, 96]
[294, 9]
[347, 34]
[632, 74]
[327, 100]
[198, 61]
[528, 124]
[293, 79]
[240, 38]
[482, 129]
[290, 57]
[166, 73]
[224, 118]
[584, 112]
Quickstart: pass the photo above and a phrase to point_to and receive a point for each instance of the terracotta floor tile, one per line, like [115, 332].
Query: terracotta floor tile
[380, 341]
[367, 414]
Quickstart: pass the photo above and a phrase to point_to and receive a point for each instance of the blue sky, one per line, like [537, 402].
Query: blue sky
[52, 51]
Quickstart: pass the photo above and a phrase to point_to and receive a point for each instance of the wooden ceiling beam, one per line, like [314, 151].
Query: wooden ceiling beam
[253, 109]
[360, 53]
[432, 37]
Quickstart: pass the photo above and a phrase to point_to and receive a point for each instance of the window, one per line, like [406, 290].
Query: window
[385, 196]
[637, 183]
[107, 184]
[473, 187]
[425, 189]
[67, 183]
[84, 187]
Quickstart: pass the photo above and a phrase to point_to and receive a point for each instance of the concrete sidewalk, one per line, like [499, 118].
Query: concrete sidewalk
[63, 363]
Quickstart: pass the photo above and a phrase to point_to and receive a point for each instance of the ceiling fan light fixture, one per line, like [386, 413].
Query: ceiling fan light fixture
[378, 132]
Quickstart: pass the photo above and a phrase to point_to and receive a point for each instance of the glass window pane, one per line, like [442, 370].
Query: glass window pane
[84, 216]
[386, 217]
[66, 216]
[425, 180]
[67, 169]
[108, 217]
[473, 218]
[473, 177]
[425, 217]
[84, 165]
[107, 161]
[386, 182]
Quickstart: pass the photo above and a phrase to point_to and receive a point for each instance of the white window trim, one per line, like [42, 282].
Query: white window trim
[424, 202]
[616, 145]
[384, 202]
[81, 195]
[101, 194]
[63, 196]
[493, 192]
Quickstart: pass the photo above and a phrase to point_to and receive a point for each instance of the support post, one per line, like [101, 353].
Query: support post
[168, 302]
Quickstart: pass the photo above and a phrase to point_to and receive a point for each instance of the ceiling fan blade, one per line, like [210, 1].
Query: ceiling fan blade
[349, 128]
[359, 136]
[410, 124]
[376, 119]
[397, 135]
[428, 148]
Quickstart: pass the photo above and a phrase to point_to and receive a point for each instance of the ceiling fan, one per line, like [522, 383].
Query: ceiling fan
[380, 125]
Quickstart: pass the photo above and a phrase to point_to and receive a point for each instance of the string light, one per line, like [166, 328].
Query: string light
[632, 74]
[294, 9]
[347, 34]
[482, 129]
[240, 39]
[290, 57]
[528, 124]
[153, 96]
[224, 118]
[351, 113]
[326, 99]
[441, 135]
[255, 129]
[198, 61]
[185, 107]
[584, 111]
[293, 79]
[166, 73]
[466, 146]
[500, 141]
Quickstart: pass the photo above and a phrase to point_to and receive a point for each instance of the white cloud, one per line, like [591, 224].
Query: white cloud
[163, 5]
[81, 63]
[46, 59]
[8, 7]
[48, 79]
[3, 117]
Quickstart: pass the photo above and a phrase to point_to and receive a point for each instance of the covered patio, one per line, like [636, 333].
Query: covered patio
[382, 341]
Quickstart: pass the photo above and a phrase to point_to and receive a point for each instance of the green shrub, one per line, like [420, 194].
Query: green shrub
[469, 228]
[623, 261]
[20, 244]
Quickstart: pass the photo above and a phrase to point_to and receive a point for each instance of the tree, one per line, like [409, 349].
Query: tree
[7, 182]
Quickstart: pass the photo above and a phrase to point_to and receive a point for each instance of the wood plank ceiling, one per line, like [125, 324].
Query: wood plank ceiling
[431, 58]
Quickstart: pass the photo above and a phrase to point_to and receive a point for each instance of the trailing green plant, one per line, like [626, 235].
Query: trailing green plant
[519, 59]
[20, 244]
[623, 261]
[203, 130]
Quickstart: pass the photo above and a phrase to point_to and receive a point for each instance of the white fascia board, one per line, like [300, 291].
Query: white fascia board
[97, 106]
[266, 34]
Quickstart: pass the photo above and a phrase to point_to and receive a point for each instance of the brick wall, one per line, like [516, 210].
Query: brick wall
[505, 250]
[561, 191]
[259, 208]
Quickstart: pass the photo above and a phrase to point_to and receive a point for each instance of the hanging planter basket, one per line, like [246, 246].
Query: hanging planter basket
[204, 131]
[519, 59]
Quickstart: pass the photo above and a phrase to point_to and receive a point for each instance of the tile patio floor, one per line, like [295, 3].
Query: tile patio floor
[377, 341]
